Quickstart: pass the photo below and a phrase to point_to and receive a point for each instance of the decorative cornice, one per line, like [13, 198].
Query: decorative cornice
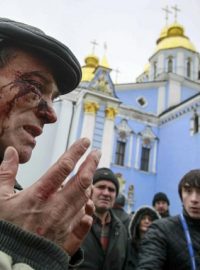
[179, 111]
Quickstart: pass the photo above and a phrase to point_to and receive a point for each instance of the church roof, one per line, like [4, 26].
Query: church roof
[173, 36]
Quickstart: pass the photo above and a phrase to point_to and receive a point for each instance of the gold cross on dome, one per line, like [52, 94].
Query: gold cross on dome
[167, 11]
[176, 10]
[94, 43]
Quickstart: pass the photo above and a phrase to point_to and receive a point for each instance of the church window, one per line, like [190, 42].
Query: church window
[170, 64]
[188, 67]
[154, 70]
[145, 155]
[142, 101]
[120, 152]
[196, 123]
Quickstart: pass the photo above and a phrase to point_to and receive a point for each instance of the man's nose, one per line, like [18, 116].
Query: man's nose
[46, 112]
[106, 191]
[194, 196]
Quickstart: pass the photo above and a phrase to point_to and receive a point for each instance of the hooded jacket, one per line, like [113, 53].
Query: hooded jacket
[134, 240]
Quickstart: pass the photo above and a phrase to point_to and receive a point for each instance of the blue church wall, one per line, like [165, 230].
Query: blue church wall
[177, 154]
[130, 97]
[187, 93]
[143, 184]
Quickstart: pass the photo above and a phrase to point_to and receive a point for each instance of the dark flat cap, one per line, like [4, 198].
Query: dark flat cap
[67, 70]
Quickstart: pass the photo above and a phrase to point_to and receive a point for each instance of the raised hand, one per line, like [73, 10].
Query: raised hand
[44, 208]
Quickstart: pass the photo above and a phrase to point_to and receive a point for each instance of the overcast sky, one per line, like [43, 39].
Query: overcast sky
[130, 28]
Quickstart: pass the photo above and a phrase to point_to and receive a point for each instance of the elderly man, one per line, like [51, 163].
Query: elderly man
[42, 226]
[174, 243]
[105, 246]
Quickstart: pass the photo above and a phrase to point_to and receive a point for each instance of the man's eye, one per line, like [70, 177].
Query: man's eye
[36, 84]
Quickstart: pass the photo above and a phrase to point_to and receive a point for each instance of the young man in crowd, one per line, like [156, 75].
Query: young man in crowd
[174, 243]
[161, 204]
[42, 226]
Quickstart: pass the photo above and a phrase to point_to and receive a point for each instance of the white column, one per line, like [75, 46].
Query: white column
[174, 93]
[137, 152]
[154, 156]
[130, 150]
[108, 135]
[161, 99]
[181, 68]
[90, 109]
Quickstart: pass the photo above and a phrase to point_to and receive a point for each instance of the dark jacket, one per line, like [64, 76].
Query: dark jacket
[123, 216]
[134, 240]
[164, 246]
[114, 257]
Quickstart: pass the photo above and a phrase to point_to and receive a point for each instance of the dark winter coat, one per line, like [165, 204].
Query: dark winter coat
[164, 246]
[134, 241]
[114, 258]
[123, 216]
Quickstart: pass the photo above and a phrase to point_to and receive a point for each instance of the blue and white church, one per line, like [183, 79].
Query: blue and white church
[148, 130]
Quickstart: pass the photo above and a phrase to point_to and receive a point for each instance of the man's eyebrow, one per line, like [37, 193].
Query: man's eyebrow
[44, 78]
[38, 74]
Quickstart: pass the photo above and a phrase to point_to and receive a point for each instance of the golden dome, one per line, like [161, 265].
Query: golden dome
[173, 36]
[147, 68]
[91, 62]
[104, 62]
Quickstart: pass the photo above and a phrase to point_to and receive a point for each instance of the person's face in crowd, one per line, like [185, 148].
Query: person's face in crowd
[145, 222]
[161, 207]
[27, 88]
[191, 201]
[103, 196]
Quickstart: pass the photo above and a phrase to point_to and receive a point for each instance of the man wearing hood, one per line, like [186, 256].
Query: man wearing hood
[174, 243]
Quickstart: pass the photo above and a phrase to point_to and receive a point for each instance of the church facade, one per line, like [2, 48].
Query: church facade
[148, 131]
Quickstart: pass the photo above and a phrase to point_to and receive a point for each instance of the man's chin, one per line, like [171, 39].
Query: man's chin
[24, 156]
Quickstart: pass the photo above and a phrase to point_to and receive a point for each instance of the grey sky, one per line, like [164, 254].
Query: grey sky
[130, 28]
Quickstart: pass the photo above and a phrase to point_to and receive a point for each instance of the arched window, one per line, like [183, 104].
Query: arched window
[188, 67]
[154, 70]
[170, 64]
[145, 159]
[196, 123]
[120, 153]
[123, 132]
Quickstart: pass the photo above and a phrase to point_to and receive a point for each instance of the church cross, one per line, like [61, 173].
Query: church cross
[117, 71]
[176, 10]
[167, 11]
[94, 43]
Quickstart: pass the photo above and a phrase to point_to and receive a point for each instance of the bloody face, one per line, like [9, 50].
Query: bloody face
[27, 88]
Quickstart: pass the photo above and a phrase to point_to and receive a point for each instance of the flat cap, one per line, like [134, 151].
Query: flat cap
[67, 70]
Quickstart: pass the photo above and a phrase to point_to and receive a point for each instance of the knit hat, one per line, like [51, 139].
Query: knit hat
[106, 174]
[160, 196]
[66, 68]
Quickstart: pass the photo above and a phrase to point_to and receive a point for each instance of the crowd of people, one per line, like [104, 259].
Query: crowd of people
[81, 224]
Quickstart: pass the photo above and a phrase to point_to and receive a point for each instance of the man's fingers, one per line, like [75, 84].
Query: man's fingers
[53, 178]
[77, 189]
[8, 170]
[89, 208]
